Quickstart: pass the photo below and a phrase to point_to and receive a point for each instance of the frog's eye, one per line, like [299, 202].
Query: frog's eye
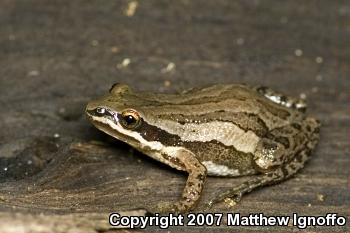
[130, 119]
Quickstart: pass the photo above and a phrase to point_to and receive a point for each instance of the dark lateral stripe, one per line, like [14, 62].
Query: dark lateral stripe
[153, 133]
[211, 151]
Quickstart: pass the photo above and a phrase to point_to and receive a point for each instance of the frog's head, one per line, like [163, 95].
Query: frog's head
[120, 114]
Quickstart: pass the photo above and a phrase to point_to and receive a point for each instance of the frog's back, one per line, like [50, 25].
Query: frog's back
[212, 94]
[234, 102]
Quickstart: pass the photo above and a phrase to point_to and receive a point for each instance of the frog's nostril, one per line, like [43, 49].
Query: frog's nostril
[100, 111]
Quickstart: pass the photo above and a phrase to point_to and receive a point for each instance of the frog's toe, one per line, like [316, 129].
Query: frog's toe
[230, 198]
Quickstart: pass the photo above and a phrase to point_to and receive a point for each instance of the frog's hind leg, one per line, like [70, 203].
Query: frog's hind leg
[282, 99]
[285, 171]
[269, 178]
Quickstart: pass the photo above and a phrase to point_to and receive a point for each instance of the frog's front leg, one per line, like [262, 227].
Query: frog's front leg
[271, 177]
[197, 174]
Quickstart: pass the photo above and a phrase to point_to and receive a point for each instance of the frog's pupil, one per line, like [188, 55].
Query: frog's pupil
[130, 120]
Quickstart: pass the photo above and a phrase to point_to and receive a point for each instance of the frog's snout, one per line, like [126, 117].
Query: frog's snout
[92, 105]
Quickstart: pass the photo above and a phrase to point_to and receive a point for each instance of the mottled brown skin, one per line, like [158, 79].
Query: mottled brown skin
[283, 135]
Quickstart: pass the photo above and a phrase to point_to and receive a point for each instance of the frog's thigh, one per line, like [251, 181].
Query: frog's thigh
[195, 181]
[282, 99]
[272, 177]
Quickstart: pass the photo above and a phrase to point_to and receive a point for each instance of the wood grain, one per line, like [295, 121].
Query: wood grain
[57, 55]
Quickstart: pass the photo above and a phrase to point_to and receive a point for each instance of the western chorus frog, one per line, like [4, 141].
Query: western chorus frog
[222, 130]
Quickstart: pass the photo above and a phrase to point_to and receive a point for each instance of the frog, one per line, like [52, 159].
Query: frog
[223, 130]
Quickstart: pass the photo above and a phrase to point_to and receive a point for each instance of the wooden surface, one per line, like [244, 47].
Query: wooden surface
[57, 55]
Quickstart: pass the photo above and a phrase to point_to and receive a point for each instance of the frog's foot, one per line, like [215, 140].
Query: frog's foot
[231, 197]
[281, 99]
[269, 178]
[236, 193]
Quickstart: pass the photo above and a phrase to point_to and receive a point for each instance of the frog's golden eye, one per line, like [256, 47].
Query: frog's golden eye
[130, 119]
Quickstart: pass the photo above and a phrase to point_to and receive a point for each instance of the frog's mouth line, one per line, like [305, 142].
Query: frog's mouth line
[106, 127]
[110, 127]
